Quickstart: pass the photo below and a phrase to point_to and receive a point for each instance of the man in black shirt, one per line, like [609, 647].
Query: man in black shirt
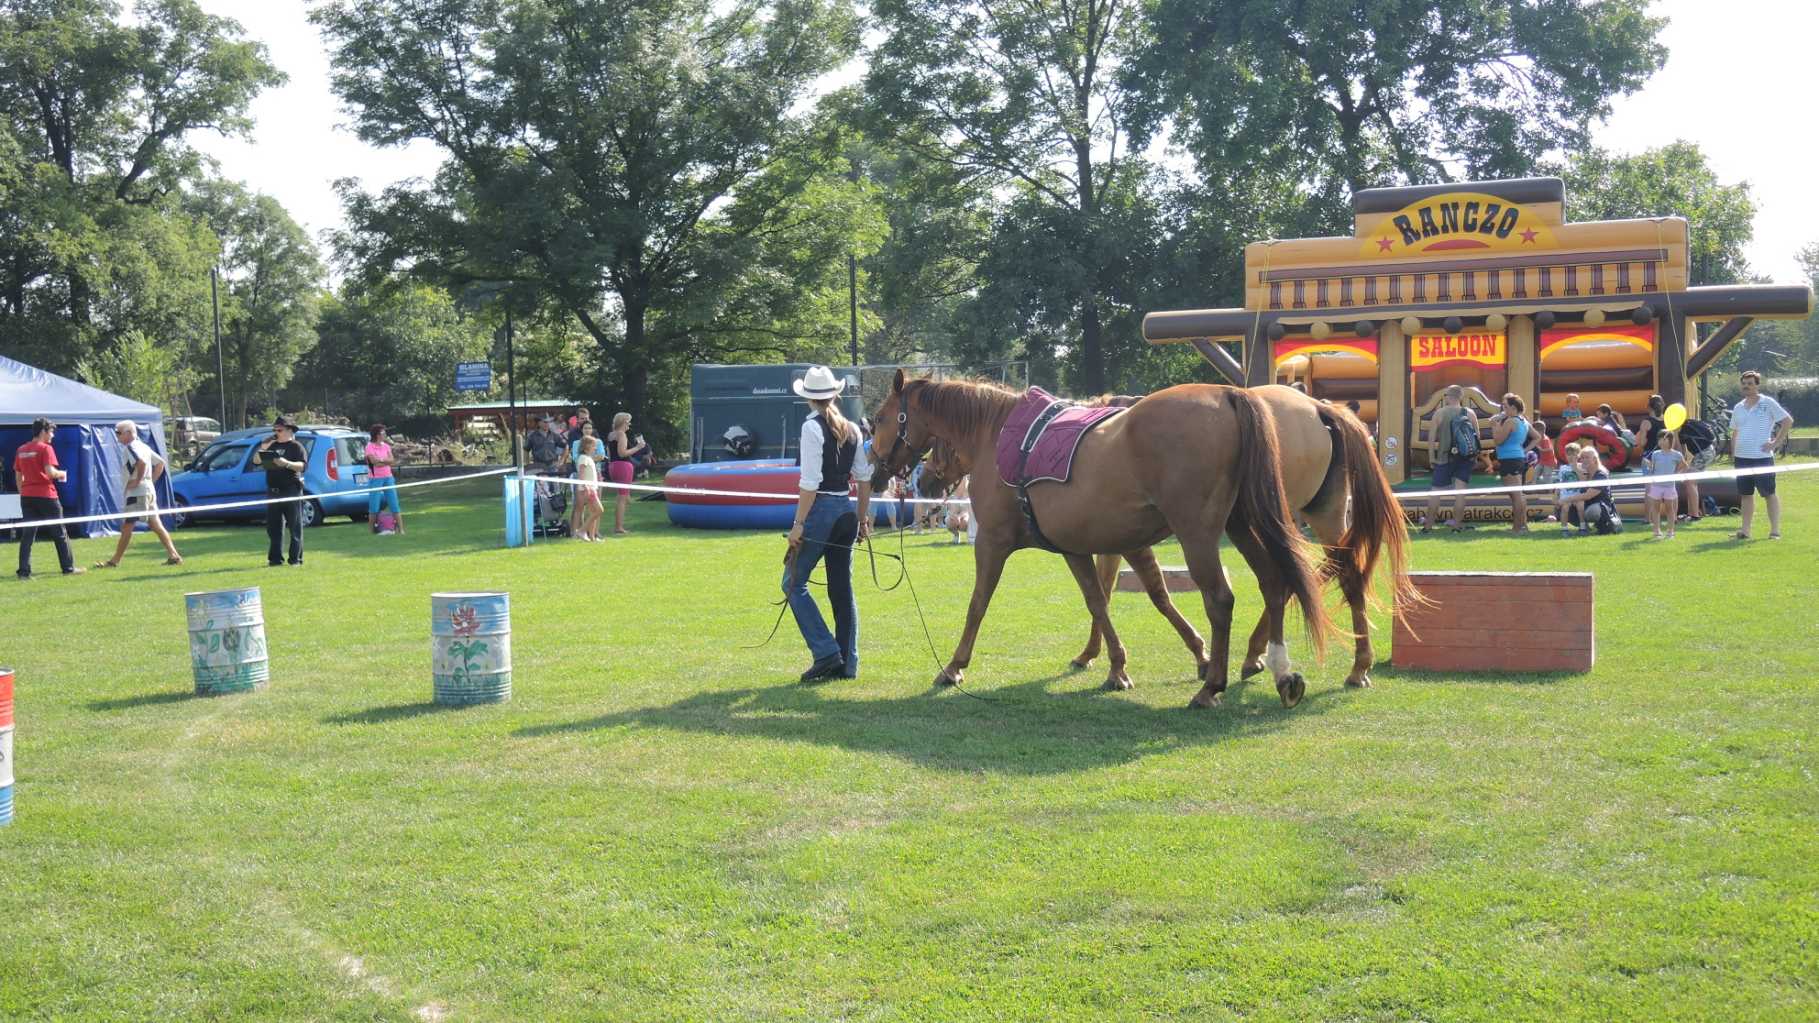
[548, 449]
[284, 461]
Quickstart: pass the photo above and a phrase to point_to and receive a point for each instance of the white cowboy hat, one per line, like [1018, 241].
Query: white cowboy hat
[819, 384]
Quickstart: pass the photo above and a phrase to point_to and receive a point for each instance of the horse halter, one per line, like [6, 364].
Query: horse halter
[901, 441]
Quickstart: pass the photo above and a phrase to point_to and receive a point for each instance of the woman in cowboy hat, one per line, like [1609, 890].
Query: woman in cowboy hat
[826, 527]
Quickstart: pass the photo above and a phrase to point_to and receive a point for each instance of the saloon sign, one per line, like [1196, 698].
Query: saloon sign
[1432, 350]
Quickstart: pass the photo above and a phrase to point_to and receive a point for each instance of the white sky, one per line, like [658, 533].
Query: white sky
[1736, 83]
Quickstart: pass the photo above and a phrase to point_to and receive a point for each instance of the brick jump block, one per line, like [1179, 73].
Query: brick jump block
[1175, 577]
[1498, 621]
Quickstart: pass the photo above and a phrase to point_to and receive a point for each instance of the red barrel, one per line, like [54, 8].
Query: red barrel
[6, 745]
[6, 697]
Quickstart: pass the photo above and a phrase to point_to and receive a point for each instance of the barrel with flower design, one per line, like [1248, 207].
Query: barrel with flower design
[6, 745]
[471, 647]
[227, 641]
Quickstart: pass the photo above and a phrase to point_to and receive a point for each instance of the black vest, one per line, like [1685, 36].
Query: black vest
[836, 460]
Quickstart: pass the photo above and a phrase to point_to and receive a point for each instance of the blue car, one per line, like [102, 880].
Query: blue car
[336, 479]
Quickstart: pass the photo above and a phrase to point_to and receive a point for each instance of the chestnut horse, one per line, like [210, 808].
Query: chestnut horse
[1328, 464]
[1183, 461]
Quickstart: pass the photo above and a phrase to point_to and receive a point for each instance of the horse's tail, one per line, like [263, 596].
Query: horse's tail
[1377, 522]
[1263, 509]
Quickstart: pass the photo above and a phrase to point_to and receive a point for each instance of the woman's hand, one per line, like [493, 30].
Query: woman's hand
[795, 536]
[865, 530]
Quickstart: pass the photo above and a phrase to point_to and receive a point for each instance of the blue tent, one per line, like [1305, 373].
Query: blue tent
[84, 441]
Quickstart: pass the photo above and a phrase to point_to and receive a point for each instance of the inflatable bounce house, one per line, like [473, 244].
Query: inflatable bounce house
[1485, 285]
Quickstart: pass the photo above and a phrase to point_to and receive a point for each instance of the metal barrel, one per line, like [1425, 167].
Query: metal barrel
[471, 647]
[6, 745]
[227, 641]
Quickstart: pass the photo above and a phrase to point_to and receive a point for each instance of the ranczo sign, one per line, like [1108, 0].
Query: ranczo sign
[1458, 222]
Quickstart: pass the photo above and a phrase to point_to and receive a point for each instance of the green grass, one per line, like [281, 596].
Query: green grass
[661, 825]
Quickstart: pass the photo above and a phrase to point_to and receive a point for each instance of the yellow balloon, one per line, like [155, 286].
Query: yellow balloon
[1675, 416]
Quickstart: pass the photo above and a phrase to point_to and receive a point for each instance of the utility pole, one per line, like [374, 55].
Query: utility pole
[852, 302]
[511, 390]
[214, 296]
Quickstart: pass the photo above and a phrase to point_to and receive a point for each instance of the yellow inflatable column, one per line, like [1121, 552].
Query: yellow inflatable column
[1524, 362]
[1392, 400]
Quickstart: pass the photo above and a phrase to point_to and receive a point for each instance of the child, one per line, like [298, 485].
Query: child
[1664, 498]
[1572, 413]
[1546, 464]
[960, 516]
[1566, 473]
[589, 509]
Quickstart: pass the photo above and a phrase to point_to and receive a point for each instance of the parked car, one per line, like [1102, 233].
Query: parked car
[190, 434]
[226, 470]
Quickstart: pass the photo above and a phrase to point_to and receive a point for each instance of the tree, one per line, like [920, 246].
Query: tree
[613, 157]
[95, 118]
[1029, 96]
[1674, 180]
[272, 284]
[1349, 94]
[389, 354]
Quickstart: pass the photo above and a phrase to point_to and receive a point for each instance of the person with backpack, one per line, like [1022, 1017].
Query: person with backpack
[1452, 448]
[141, 468]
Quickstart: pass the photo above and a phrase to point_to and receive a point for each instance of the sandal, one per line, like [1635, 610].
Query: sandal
[107, 564]
[174, 561]
[1774, 536]
[1740, 535]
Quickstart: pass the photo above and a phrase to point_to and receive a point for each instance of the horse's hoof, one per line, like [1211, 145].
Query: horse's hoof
[942, 678]
[1079, 664]
[1361, 682]
[1203, 700]
[1292, 687]
[1115, 684]
[1250, 668]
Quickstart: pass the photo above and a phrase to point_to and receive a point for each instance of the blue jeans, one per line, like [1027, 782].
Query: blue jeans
[828, 532]
[382, 493]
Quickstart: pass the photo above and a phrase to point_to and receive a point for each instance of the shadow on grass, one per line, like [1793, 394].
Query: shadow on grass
[142, 700]
[1020, 729]
[1384, 670]
[384, 715]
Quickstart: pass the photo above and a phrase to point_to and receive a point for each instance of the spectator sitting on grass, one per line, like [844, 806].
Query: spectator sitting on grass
[1591, 507]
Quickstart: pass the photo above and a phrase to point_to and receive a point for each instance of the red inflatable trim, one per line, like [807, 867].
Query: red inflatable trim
[1611, 450]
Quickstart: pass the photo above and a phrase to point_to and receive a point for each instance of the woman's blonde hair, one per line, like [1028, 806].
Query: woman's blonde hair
[843, 429]
[620, 419]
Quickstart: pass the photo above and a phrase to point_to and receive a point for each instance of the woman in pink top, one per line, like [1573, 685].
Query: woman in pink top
[381, 485]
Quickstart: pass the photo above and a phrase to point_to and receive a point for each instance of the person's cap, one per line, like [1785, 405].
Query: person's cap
[818, 384]
[546, 418]
[283, 423]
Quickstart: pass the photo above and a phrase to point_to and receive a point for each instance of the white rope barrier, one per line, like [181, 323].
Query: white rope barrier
[1420, 495]
[193, 509]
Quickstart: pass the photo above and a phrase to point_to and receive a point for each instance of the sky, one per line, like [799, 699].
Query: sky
[1737, 83]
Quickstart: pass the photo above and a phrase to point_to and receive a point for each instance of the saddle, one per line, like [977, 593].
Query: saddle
[1038, 443]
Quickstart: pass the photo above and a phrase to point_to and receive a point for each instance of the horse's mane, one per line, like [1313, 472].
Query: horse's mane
[966, 405]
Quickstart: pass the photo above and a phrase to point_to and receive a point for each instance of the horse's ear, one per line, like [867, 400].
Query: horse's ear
[897, 382]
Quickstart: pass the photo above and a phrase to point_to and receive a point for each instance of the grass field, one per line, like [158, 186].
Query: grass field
[662, 825]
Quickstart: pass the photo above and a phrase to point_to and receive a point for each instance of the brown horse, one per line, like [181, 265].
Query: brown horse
[1328, 464]
[1185, 461]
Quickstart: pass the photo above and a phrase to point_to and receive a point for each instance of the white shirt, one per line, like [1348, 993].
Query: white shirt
[136, 452]
[812, 443]
[1755, 427]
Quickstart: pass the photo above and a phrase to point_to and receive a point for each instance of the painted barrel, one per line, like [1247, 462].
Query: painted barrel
[6, 745]
[227, 641]
[471, 647]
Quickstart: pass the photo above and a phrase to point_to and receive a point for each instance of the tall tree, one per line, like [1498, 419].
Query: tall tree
[272, 278]
[387, 354]
[1674, 180]
[1356, 93]
[605, 155]
[95, 121]
[1030, 95]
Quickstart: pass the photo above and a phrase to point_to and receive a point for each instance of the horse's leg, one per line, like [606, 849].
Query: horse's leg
[1088, 577]
[1290, 685]
[1143, 562]
[1329, 525]
[988, 566]
[1202, 550]
[1254, 650]
[1108, 581]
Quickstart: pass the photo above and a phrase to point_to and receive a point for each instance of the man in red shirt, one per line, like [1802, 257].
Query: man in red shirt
[35, 466]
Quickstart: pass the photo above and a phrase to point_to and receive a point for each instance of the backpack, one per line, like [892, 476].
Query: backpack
[1465, 436]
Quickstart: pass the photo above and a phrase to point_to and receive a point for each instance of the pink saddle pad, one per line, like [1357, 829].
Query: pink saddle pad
[1055, 441]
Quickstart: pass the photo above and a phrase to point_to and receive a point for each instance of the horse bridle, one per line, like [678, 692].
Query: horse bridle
[902, 439]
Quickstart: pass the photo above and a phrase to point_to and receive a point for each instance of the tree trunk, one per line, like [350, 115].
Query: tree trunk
[1092, 350]
[635, 375]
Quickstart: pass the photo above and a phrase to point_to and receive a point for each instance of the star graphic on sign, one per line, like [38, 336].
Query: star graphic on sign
[1528, 236]
[1384, 245]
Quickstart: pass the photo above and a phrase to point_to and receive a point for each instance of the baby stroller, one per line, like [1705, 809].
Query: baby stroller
[551, 506]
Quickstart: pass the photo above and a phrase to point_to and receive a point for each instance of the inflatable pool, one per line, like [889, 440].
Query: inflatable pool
[719, 499]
